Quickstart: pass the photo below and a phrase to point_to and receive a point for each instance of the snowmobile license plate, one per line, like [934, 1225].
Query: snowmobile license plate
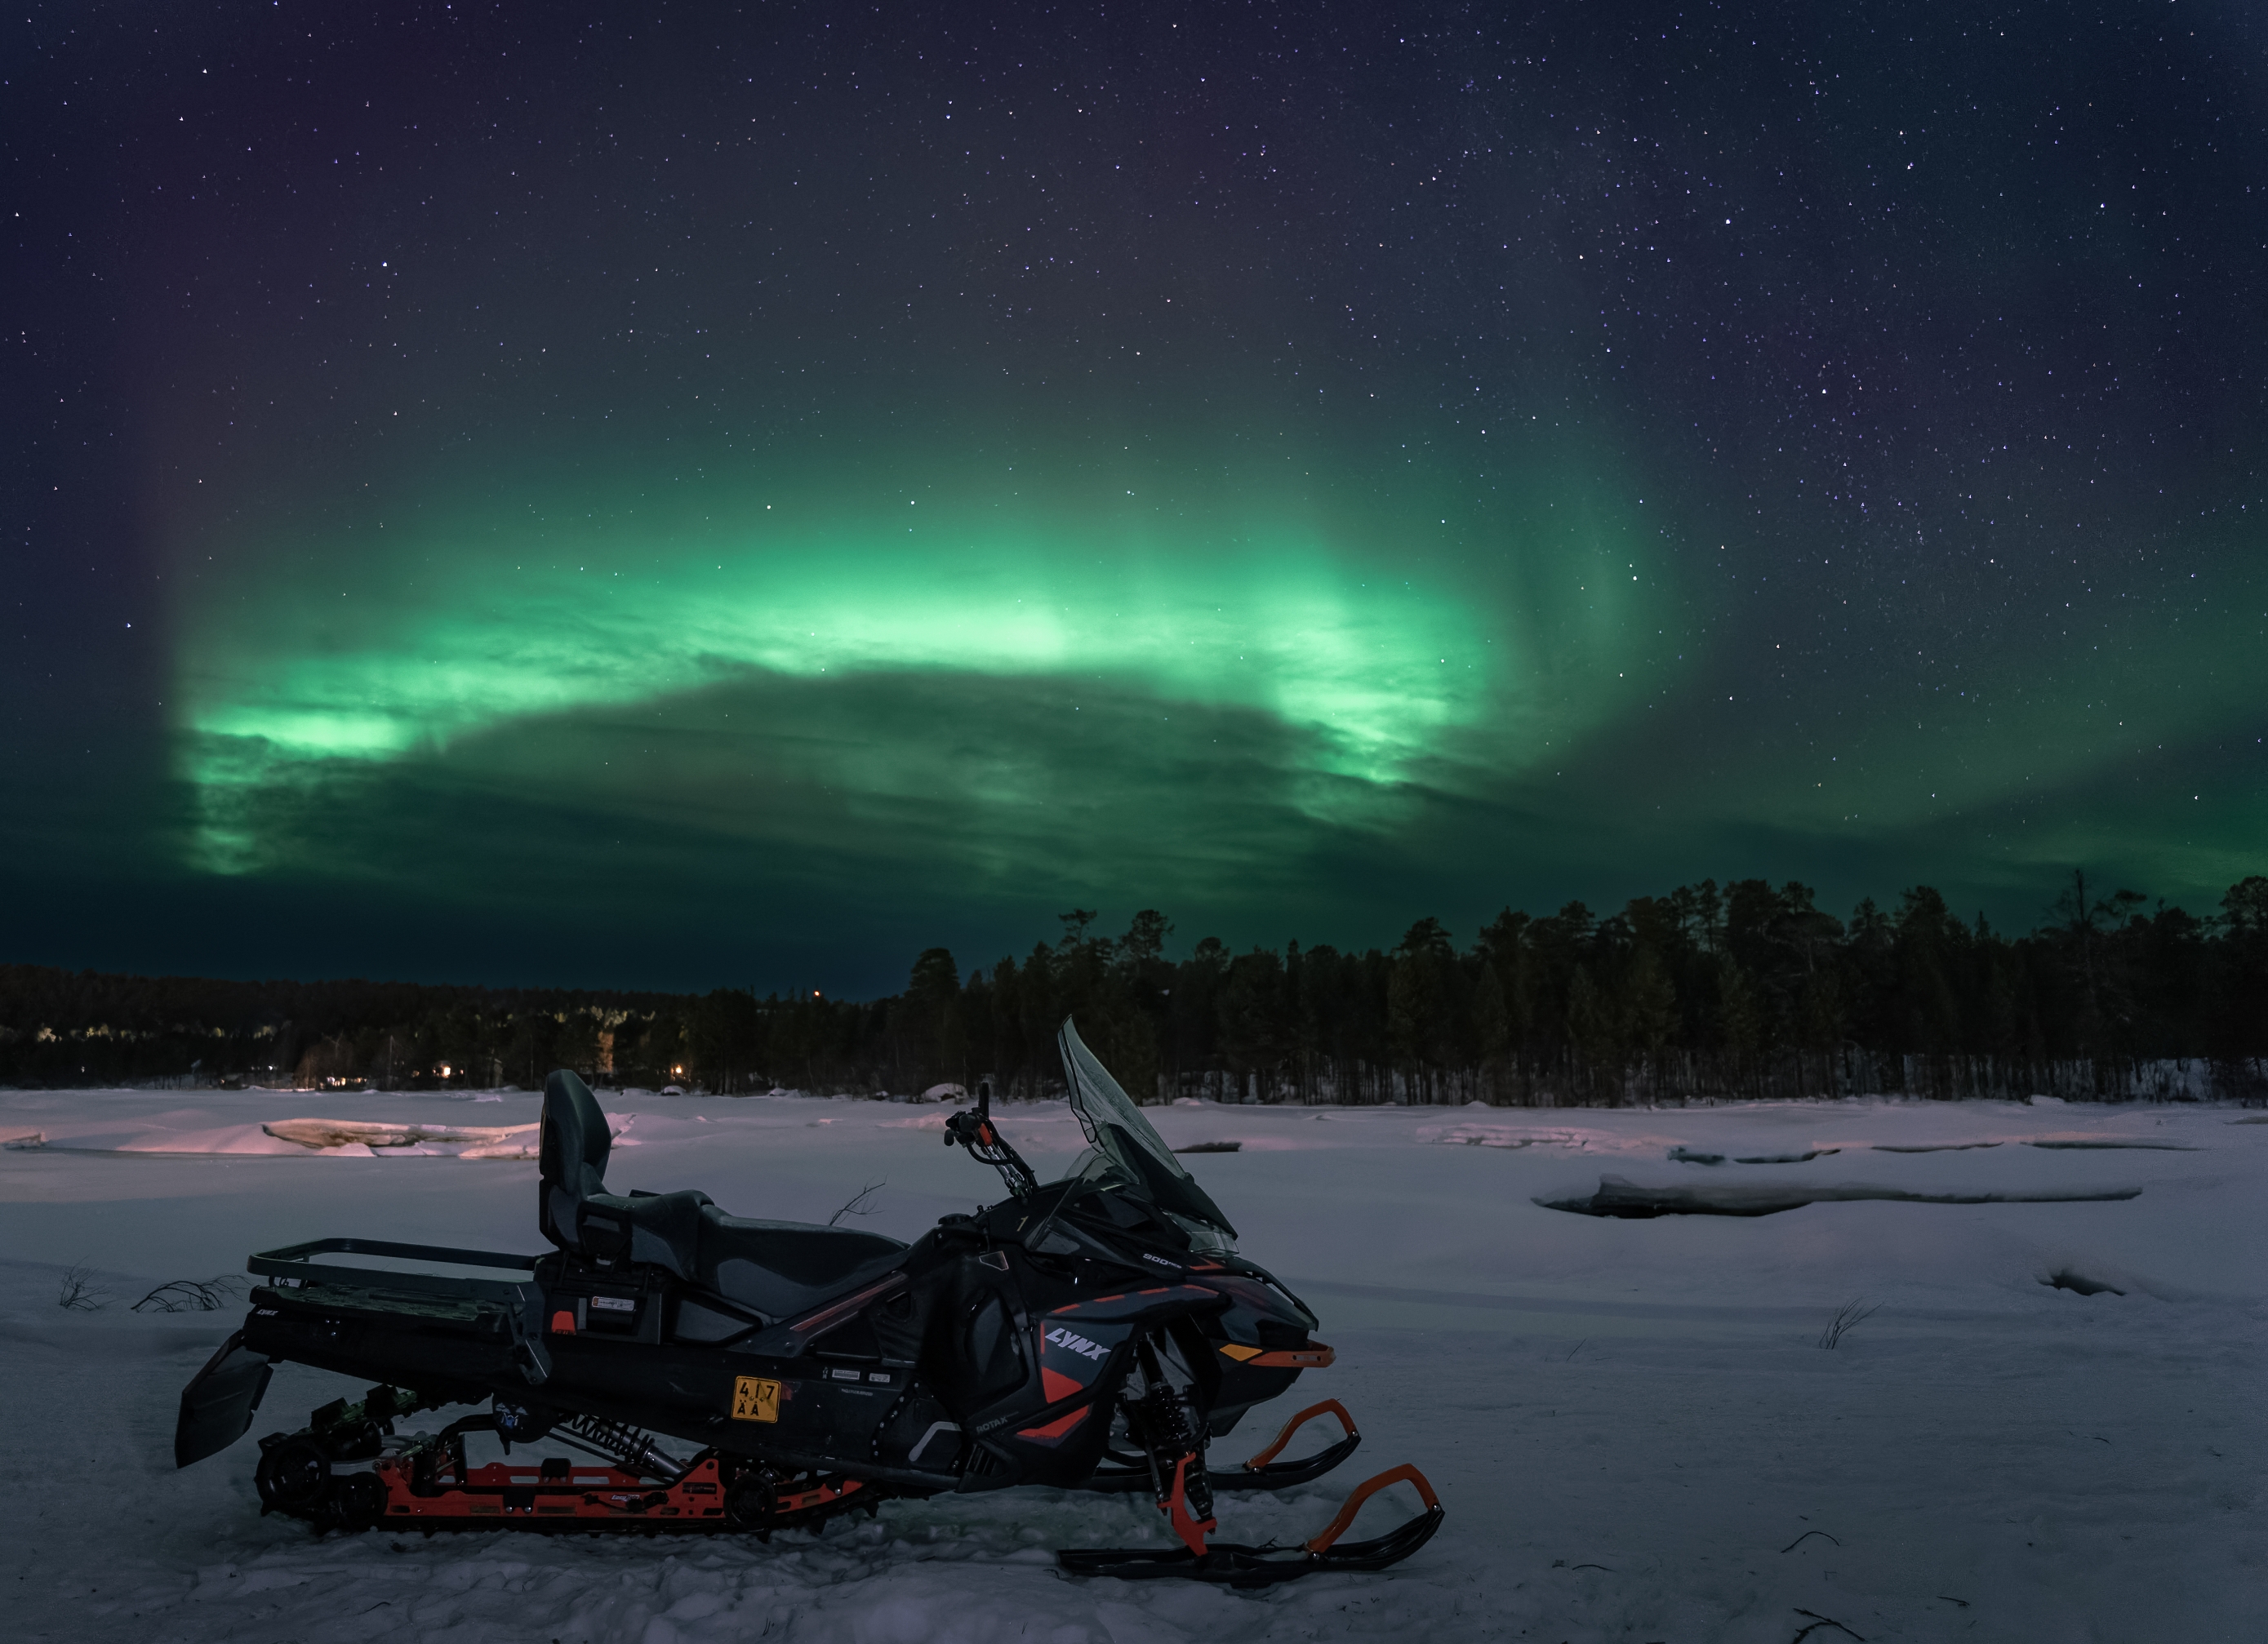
[754, 1399]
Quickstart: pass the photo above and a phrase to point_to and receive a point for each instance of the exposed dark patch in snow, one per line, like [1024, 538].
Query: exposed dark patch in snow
[1933, 1147]
[1618, 1198]
[1211, 1147]
[2065, 1279]
[1687, 1156]
[2155, 1146]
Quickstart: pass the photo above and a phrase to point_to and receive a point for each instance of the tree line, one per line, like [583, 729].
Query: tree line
[1746, 990]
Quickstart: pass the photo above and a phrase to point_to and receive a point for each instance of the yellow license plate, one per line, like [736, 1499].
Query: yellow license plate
[754, 1399]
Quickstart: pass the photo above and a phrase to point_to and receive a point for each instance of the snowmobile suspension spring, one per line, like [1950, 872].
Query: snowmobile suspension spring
[1160, 1420]
[619, 1443]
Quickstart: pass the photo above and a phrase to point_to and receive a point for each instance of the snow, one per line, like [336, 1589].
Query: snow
[1630, 1421]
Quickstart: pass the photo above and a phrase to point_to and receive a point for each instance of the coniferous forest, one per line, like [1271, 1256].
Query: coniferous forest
[1746, 990]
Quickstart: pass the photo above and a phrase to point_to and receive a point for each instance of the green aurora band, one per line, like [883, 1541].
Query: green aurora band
[686, 499]
[1377, 652]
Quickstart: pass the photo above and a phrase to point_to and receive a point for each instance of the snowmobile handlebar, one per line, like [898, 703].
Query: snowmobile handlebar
[973, 1130]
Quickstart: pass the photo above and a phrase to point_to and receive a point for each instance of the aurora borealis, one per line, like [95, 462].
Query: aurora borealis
[746, 497]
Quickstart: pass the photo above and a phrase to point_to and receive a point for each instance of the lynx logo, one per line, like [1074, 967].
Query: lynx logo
[1079, 1345]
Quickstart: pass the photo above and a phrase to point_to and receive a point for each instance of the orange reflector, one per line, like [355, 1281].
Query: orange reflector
[1313, 1357]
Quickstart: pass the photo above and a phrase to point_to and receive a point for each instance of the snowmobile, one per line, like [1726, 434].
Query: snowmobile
[1095, 1333]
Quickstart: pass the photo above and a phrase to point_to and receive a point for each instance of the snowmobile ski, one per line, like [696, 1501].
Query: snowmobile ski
[1236, 1565]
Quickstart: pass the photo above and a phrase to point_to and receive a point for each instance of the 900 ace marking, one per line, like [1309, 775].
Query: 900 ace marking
[1031, 1343]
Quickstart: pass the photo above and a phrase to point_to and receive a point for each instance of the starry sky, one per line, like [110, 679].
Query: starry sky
[673, 495]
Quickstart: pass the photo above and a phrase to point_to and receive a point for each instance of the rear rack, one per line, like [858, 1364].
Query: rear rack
[422, 1269]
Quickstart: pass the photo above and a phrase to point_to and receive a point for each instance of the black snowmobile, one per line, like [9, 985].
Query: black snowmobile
[1089, 1334]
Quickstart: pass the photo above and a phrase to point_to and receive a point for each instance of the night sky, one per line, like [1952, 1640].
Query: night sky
[658, 495]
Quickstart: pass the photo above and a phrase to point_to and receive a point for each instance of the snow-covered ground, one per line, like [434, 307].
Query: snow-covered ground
[1630, 1421]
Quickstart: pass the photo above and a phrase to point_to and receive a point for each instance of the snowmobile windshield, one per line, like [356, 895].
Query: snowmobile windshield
[1134, 1151]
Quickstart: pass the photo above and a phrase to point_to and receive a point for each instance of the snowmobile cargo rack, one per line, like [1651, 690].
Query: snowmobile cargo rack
[459, 1320]
[424, 1269]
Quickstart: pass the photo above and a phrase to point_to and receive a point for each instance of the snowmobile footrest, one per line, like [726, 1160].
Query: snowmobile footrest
[1233, 1565]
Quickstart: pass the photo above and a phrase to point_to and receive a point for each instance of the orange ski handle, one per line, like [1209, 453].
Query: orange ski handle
[1330, 1407]
[1185, 1525]
[1363, 1492]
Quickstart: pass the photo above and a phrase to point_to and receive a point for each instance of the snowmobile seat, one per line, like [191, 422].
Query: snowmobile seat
[779, 1268]
[783, 1268]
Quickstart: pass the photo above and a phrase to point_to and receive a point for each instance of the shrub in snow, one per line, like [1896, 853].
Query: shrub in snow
[78, 1293]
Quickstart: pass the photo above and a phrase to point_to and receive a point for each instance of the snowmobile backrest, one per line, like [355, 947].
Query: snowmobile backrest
[578, 1214]
[575, 1145]
[778, 1267]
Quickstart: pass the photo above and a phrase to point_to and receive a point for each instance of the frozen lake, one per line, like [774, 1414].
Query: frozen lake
[1631, 1422]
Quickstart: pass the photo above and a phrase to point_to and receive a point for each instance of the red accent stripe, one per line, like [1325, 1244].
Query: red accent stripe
[1056, 1429]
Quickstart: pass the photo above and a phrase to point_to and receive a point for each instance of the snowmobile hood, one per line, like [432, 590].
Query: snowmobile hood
[1115, 1128]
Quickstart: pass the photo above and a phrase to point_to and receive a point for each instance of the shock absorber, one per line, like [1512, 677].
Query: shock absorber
[619, 1443]
[1159, 1421]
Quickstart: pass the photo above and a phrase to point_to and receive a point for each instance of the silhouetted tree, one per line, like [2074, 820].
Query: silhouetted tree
[1702, 992]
